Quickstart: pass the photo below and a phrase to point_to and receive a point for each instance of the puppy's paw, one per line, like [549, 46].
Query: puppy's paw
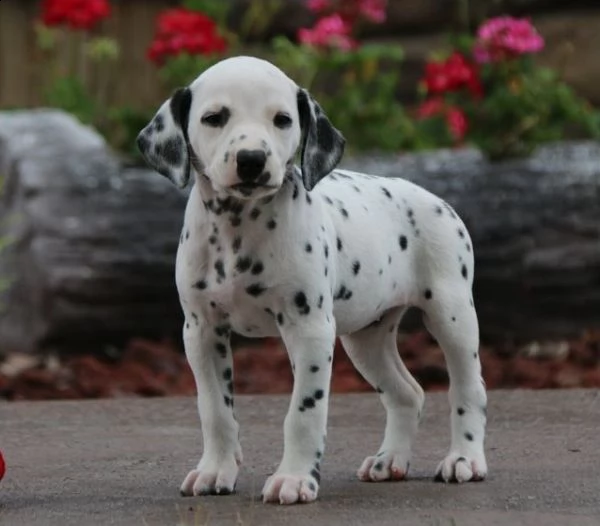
[212, 477]
[386, 465]
[461, 467]
[290, 489]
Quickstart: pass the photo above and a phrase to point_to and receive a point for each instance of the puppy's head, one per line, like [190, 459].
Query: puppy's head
[240, 123]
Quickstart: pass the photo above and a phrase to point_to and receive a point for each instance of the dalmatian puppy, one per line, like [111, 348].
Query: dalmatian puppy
[269, 249]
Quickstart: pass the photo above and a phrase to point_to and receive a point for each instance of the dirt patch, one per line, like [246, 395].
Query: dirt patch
[146, 368]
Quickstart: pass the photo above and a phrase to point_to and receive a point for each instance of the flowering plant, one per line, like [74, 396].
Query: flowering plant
[343, 72]
[489, 92]
[75, 14]
[182, 30]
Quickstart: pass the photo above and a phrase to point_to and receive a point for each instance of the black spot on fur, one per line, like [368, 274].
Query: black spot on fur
[256, 289]
[386, 192]
[314, 368]
[254, 213]
[257, 268]
[221, 348]
[301, 303]
[280, 318]
[343, 293]
[319, 394]
[316, 475]
[469, 437]
[344, 213]
[378, 466]
[243, 264]
[461, 233]
[339, 244]
[460, 411]
[403, 242]
[463, 271]
[320, 302]
[220, 268]
[428, 294]
[308, 199]
[271, 224]
[356, 267]
[228, 401]
[237, 243]
[308, 402]
[201, 284]
[308, 247]
[295, 193]
[227, 374]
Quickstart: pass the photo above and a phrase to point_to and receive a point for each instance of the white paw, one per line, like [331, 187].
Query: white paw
[290, 489]
[212, 477]
[461, 467]
[384, 466]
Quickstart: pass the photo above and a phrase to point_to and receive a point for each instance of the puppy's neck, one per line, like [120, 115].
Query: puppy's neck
[232, 214]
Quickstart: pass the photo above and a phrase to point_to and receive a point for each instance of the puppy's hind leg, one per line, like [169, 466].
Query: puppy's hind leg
[373, 351]
[450, 317]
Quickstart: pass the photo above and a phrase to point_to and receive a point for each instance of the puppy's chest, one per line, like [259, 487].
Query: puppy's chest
[224, 277]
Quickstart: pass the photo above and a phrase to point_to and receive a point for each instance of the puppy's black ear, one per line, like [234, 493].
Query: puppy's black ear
[322, 146]
[164, 141]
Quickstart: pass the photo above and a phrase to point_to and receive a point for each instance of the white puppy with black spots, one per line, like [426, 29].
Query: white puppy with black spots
[269, 249]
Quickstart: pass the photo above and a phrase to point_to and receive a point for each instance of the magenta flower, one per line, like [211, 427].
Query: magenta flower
[329, 32]
[373, 10]
[505, 37]
[316, 6]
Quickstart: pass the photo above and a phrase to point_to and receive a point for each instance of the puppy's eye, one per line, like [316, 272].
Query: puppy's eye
[216, 119]
[282, 120]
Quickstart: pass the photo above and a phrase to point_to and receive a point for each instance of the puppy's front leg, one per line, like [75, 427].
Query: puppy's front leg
[310, 347]
[209, 355]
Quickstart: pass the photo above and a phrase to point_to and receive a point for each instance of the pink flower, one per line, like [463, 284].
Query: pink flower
[372, 10]
[330, 31]
[506, 37]
[316, 6]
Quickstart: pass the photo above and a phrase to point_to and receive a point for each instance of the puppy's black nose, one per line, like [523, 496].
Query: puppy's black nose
[250, 164]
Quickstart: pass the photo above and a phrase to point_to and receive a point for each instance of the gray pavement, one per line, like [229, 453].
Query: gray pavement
[120, 462]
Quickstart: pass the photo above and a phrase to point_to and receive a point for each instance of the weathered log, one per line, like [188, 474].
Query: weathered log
[91, 261]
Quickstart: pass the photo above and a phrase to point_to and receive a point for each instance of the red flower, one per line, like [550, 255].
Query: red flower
[453, 74]
[182, 30]
[77, 14]
[455, 118]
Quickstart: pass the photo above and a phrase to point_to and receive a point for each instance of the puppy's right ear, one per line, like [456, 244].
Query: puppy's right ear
[164, 142]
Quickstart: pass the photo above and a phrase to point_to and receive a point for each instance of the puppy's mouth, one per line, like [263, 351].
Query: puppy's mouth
[247, 189]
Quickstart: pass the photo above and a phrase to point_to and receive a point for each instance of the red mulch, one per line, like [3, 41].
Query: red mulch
[148, 368]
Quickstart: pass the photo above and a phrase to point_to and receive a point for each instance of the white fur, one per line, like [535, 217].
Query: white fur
[346, 258]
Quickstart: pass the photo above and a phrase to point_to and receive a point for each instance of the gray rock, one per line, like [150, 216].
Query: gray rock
[92, 242]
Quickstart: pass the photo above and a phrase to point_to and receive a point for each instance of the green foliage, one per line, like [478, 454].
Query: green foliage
[69, 94]
[357, 89]
[525, 106]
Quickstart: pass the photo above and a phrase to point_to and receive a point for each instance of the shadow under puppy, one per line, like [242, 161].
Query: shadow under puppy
[307, 253]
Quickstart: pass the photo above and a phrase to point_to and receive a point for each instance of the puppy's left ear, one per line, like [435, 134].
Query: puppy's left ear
[164, 142]
[322, 145]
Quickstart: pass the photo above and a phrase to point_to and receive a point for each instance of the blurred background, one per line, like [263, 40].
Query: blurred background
[492, 104]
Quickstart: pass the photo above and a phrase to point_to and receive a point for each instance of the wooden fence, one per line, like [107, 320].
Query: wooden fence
[133, 81]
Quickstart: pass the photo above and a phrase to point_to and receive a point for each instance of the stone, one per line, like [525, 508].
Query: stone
[92, 241]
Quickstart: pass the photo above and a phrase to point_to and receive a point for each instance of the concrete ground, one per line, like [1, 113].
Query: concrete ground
[120, 462]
